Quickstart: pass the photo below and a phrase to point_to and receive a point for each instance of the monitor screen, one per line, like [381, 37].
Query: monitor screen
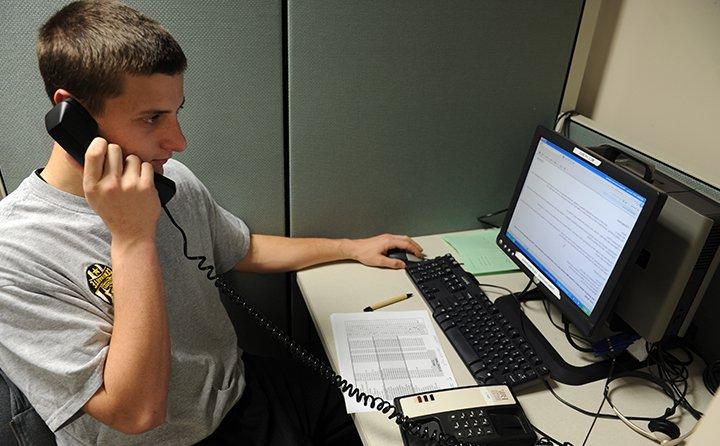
[574, 222]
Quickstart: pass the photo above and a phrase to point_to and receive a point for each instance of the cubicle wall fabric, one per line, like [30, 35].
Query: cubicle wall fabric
[415, 117]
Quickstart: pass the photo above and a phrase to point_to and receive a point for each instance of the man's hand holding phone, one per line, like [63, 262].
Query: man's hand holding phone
[121, 190]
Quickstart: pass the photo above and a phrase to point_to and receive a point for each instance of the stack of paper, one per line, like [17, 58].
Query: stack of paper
[479, 253]
[389, 354]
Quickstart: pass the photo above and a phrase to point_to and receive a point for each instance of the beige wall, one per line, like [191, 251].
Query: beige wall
[648, 73]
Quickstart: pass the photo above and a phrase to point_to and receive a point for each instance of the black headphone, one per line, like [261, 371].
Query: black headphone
[664, 426]
[661, 429]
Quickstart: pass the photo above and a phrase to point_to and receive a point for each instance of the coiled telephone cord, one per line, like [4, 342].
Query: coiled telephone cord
[301, 354]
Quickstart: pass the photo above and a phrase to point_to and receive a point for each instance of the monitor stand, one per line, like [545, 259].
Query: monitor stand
[560, 370]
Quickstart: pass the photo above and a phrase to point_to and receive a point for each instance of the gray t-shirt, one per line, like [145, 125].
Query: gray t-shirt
[56, 312]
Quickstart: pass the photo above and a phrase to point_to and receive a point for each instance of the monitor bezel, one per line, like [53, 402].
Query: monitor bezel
[589, 325]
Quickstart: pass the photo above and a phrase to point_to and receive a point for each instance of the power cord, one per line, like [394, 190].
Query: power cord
[674, 372]
[556, 325]
[587, 412]
[507, 290]
[565, 118]
[547, 440]
[711, 376]
[566, 329]
[609, 346]
[489, 224]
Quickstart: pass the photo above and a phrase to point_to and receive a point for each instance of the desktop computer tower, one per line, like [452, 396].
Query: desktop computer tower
[669, 279]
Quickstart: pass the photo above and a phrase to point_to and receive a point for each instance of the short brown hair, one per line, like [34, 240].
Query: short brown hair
[89, 46]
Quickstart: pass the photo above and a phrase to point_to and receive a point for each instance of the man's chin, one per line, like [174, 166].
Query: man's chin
[158, 166]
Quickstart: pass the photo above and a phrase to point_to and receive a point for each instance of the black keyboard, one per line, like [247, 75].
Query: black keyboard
[491, 346]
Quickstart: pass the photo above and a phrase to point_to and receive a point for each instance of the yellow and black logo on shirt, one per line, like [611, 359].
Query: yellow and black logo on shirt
[100, 281]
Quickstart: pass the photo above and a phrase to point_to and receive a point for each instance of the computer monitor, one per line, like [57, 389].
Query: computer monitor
[574, 225]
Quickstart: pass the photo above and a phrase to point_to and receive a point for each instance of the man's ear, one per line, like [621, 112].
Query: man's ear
[60, 95]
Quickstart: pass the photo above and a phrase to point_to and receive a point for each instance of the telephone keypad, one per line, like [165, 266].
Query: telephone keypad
[469, 424]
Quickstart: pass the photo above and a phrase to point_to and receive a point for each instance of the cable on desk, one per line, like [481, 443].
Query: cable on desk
[602, 403]
[587, 412]
[610, 346]
[547, 440]
[605, 347]
[482, 218]
[666, 363]
[498, 287]
[674, 372]
[711, 376]
[556, 325]
[566, 329]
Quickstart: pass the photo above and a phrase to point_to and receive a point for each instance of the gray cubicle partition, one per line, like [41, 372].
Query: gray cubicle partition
[232, 116]
[415, 117]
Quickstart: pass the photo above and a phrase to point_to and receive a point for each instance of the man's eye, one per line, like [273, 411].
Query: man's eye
[152, 119]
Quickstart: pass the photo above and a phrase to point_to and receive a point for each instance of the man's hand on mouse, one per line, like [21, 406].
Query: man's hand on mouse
[371, 251]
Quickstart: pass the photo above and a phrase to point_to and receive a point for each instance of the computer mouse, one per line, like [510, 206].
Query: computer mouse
[405, 256]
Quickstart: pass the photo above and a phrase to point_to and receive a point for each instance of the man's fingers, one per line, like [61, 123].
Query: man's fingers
[132, 166]
[113, 161]
[94, 162]
[408, 244]
[147, 174]
[387, 262]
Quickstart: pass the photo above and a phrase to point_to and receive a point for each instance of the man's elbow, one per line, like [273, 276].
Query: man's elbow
[129, 415]
[141, 422]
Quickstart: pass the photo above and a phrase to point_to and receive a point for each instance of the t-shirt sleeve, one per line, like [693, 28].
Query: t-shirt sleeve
[231, 238]
[230, 235]
[54, 346]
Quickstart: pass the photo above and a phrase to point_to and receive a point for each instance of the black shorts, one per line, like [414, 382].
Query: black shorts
[285, 403]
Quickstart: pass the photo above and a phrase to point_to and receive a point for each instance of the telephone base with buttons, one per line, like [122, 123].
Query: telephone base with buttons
[474, 415]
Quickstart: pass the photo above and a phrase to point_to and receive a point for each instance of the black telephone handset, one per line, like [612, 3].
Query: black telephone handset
[74, 129]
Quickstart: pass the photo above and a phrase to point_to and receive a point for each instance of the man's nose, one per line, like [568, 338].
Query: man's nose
[174, 139]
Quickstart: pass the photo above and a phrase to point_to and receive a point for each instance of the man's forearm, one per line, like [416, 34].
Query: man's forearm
[137, 370]
[272, 254]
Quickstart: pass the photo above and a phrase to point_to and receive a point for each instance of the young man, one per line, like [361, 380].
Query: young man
[115, 337]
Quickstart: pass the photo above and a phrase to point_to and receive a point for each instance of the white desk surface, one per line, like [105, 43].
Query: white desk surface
[346, 287]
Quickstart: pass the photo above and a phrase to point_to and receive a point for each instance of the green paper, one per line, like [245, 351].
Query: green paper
[479, 252]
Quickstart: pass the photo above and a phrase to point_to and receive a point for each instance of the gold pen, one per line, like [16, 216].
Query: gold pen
[386, 302]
